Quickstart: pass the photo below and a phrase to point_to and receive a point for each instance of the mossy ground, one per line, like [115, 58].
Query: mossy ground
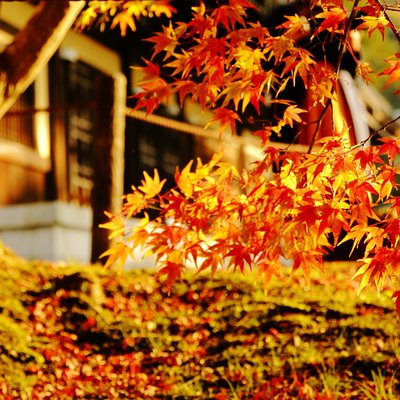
[73, 332]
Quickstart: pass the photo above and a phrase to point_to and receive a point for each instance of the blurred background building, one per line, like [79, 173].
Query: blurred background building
[58, 140]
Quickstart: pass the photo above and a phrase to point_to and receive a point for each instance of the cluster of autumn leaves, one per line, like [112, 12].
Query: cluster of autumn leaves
[292, 205]
[222, 219]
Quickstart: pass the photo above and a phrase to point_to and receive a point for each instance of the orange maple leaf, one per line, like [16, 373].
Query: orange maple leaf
[292, 114]
[304, 261]
[150, 72]
[295, 25]
[332, 20]
[225, 117]
[164, 41]
[393, 71]
[243, 3]
[365, 71]
[151, 187]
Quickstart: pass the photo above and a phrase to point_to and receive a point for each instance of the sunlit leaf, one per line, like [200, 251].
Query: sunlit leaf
[151, 186]
[372, 23]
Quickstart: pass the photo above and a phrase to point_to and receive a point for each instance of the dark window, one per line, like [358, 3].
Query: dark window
[81, 119]
[150, 146]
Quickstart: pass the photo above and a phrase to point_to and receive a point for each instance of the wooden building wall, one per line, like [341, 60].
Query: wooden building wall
[24, 184]
[22, 170]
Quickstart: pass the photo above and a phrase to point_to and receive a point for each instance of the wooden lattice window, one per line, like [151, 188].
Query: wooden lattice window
[17, 124]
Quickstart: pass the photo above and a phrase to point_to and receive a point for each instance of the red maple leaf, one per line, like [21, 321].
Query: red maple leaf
[173, 271]
[390, 148]
[396, 295]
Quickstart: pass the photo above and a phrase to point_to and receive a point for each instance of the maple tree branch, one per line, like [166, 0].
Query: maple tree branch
[384, 9]
[347, 30]
[342, 48]
[321, 117]
[381, 129]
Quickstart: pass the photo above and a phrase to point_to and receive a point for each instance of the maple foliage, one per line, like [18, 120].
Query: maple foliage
[289, 205]
[122, 14]
[221, 217]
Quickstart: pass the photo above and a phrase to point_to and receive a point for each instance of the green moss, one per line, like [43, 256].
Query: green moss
[77, 331]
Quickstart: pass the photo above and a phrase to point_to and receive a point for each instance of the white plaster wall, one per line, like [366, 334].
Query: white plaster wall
[54, 231]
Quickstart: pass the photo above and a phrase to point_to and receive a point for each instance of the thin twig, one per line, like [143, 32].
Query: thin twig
[347, 30]
[382, 129]
[384, 9]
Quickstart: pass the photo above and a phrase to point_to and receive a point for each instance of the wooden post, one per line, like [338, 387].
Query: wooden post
[108, 167]
[57, 187]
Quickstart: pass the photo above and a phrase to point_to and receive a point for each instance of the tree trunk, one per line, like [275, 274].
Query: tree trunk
[33, 47]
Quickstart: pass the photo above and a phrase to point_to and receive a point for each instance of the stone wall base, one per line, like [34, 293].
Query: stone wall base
[54, 231]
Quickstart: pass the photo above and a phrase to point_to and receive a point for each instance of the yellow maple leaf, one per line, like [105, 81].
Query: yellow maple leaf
[134, 203]
[249, 59]
[288, 177]
[116, 225]
[160, 9]
[87, 17]
[386, 189]
[140, 235]
[365, 272]
[184, 181]
[123, 19]
[151, 186]
[117, 254]
[372, 23]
